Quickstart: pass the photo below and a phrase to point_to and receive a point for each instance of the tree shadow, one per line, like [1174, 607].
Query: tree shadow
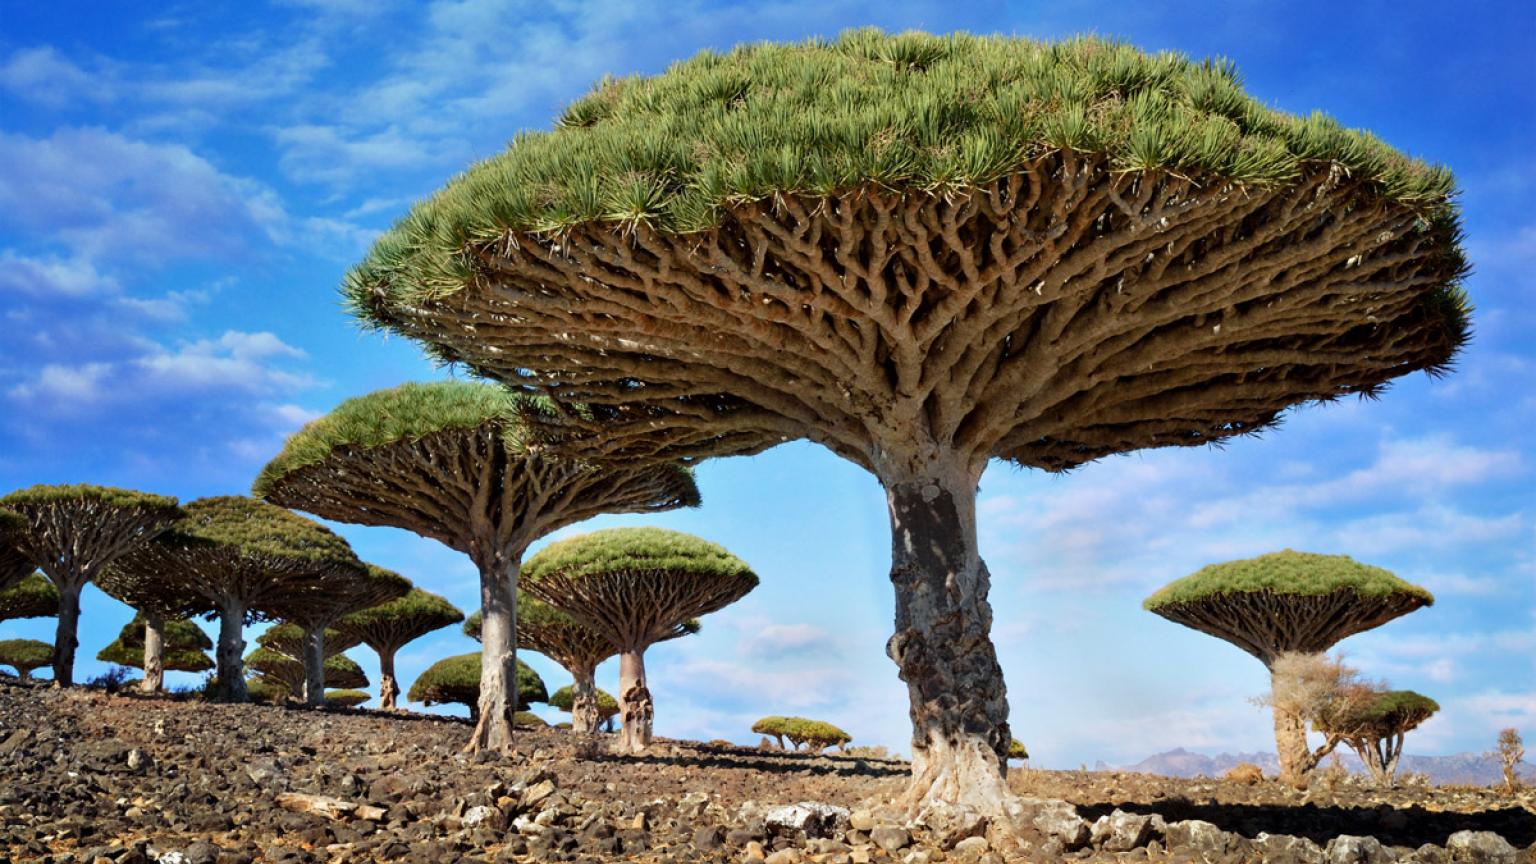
[1406, 826]
[771, 762]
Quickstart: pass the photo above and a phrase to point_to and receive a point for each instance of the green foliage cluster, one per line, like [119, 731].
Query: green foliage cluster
[529, 720]
[799, 730]
[396, 622]
[14, 566]
[256, 527]
[33, 597]
[1389, 713]
[457, 680]
[565, 700]
[347, 698]
[404, 413]
[906, 111]
[288, 639]
[173, 659]
[1287, 572]
[636, 550]
[340, 670]
[1017, 750]
[176, 634]
[42, 495]
[24, 655]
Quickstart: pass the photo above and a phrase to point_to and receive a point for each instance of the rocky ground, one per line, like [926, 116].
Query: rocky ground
[89, 777]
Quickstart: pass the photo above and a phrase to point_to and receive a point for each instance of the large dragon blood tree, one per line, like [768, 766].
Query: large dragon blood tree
[345, 592]
[388, 627]
[1287, 603]
[927, 252]
[465, 464]
[576, 647]
[247, 559]
[636, 587]
[73, 534]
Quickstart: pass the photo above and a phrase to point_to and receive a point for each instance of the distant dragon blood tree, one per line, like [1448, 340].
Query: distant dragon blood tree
[575, 646]
[346, 698]
[465, 464]
[136, 580]
[636, 587]
[25, 656]
[180, 646]
[388, 627]
[246, 558]
[73, 534]
[456, 680]
[288, 639]
[31, 597]
[812, 735]
[345, 592]
[280, 672]
[1287, 603]
[1375, 728]
[606, 707]
[927, 252]
[14, 566]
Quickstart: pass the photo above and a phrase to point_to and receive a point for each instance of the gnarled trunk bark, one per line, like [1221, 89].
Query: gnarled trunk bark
[635, 708]
[943, 646]
[314, 666]
[154, 654]
[64, 639]
[1291, 748]
[498, 658]
[389, 690]
[230, 653]
[585, 713]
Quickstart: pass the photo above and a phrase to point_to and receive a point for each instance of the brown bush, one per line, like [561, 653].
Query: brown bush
[1245, 773]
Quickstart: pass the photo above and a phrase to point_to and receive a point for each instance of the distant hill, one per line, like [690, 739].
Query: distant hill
[1475, 769]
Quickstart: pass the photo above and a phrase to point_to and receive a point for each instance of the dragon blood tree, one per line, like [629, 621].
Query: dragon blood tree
[1375, 727]
[635, 587]
[14, 566]
[387, 627]
[277, 671]
[464, 464]
[1287, 603]
[73, 534]
[32, 597]
[346, 698]
[288, 639]
[179, 645]
[246, 558]
[25, 655]
[927, 252]
[457, 680]
[136, 580]
[344, 592]
[607, 707]
[576, 647]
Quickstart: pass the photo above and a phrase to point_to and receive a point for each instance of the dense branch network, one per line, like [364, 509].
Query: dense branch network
[14, 566]
[32, 597]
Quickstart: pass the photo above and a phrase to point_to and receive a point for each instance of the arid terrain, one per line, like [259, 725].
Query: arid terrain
[92, 777]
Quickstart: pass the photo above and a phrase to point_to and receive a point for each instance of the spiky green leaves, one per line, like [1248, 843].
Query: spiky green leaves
[817, 734]
[33, 597]
[258, 528]
[655, 552]
[288, 639]
[346, 698]
[457, 680]
[1388, 713]
[565, 700]
[25, 655]
[389, 625]
[909, 111]
[24, 500]
[1286, 573]
[340, 670]
[176, 634]
[1017, 750]
[171, 659]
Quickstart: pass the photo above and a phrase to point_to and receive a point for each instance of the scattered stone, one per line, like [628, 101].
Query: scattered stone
[1286, 849]
[806, 820]
[483, 816]
[1203, 838]
[1480, 847]
[1057, 820]
[890, 837]
[1349, 849]
[970, 850]
[1121, 831]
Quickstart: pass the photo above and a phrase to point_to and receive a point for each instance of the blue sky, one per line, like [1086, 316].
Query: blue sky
[180, 192]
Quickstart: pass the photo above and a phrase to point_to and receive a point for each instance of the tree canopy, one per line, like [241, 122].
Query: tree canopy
[341, 671]
[172, 659]
[14, 566]
[343, 591]
[457, 680]
[32, 597]
[346, 698]
[177, 634]
[288, 639]
[565, 700]
[1287, 601]
[1388, 713]
[816, 734]
[396, 622]
[25, 655]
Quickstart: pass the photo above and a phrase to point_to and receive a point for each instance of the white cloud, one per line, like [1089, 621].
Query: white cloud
[776, 640]
[43, 76]
[78, 386]
[52, 276]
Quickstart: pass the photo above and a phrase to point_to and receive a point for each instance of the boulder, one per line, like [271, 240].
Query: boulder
[948, 824]
[1057, 820]
[806, 820]
[1285, 849]
[1349, 849]
[890, 837]
[1203, 838]
[1480, 847]
[1121, 831]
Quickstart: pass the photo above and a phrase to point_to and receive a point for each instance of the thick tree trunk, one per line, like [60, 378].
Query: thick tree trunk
[154, 654]
[230, 653]
[585, 713]
[1296, 762]
[635, 708]
[389, 690]
[314, 666]
[943, 647]
[23, 674]
[64, 640]
[498, 658]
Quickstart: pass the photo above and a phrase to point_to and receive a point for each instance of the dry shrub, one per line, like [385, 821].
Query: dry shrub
[1245, 773]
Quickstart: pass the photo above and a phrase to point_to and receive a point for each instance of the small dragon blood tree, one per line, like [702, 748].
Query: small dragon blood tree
[246, 559]
[1374, 728]
[278, 672]
[31, 597]
[136, 580]
[457, 680]
[1287, 603]
[14, 566]
[635, 587]
[73, 534]
[575, 646]
[344, 592]
[927, 252]
[346, 698]
[465, 464]
[388, 627]
[180, 646]
[606, 706]
[25, 656]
